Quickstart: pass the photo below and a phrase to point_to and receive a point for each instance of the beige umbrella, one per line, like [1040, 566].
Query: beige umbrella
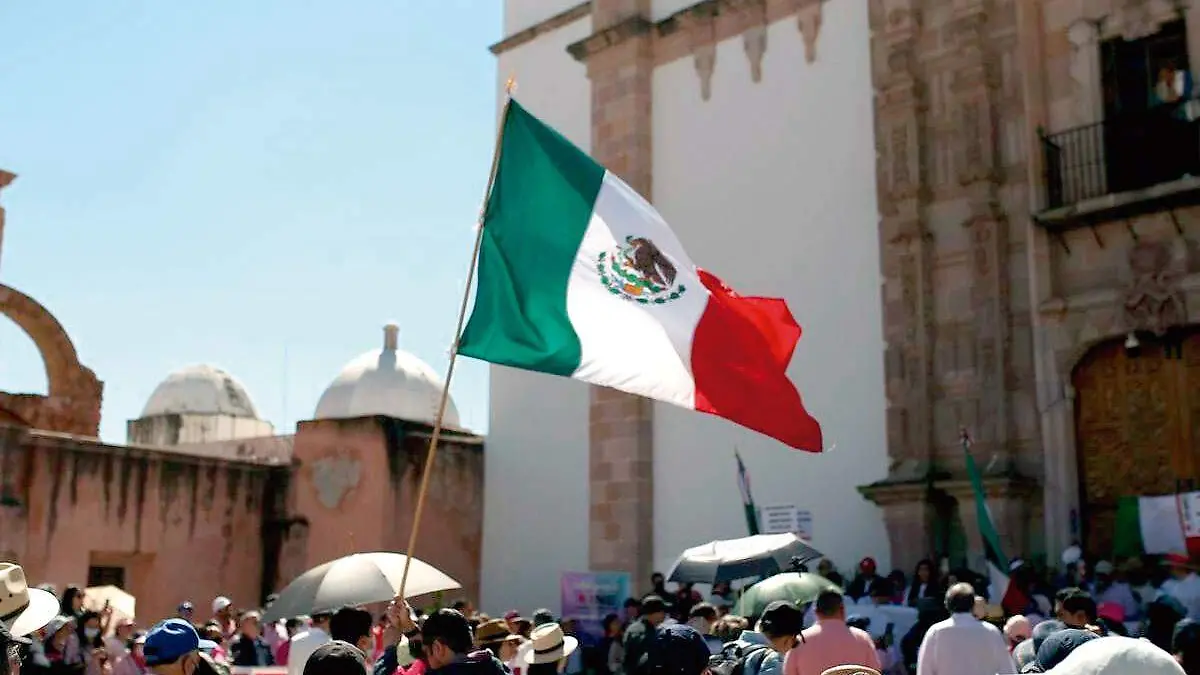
[124, 605]
[359, 579]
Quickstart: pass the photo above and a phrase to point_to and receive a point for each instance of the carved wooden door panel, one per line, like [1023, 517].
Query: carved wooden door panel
[1137, 423]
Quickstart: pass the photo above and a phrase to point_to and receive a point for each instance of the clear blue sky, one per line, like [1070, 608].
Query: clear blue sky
[259, 185]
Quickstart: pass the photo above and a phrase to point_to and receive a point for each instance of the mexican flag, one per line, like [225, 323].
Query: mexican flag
[1158, 525]
[1003, 592]
[747, 498]
[579, 276]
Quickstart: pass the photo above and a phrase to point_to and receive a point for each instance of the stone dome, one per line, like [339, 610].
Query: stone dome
[200, 390]
[388, 382]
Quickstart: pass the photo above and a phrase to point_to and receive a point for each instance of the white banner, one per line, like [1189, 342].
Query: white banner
[787, 518]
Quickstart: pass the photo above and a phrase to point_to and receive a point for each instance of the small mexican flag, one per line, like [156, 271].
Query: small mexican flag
[1003, 592]
[579, 276]
[747, 498]
[1158, 525]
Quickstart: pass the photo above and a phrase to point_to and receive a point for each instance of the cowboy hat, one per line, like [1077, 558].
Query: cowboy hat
[548, 644]
[492, 632]
[22, 608]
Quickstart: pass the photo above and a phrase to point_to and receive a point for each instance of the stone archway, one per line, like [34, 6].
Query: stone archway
[72, 403]
[1137, 427]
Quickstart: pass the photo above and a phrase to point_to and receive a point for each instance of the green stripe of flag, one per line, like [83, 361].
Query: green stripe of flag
[987, 530]
[1127, 538]
[528, 249]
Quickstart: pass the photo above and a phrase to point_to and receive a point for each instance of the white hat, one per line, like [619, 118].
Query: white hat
[220, 603]
[548, 644]
[1071, 555]
[23, 609]
[1104, 567]
[1117, 656]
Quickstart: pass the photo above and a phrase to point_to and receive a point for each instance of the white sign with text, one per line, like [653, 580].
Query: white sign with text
[789, 518]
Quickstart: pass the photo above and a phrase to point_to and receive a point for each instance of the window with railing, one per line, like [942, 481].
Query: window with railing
[1151, 128]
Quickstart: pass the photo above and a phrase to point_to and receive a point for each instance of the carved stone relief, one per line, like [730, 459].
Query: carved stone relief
[334, 477]
[1135, 19]
[973, 160]
[1154, 302]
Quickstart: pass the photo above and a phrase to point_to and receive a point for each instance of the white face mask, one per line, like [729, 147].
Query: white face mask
[91, 633]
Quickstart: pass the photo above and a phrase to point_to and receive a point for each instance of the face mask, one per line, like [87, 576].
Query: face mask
[91, 633]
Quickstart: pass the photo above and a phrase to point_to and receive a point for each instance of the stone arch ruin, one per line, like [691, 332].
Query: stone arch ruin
[72, 402]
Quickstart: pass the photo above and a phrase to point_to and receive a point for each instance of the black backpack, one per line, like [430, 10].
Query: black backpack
[738, 659]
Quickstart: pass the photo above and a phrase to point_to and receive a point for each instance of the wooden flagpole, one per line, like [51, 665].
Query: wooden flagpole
[462, 315]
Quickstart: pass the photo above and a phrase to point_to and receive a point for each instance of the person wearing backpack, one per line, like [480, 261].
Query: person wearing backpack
[640, 632]
[762, 651]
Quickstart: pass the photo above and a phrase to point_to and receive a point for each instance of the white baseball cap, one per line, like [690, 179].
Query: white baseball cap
[220, 603]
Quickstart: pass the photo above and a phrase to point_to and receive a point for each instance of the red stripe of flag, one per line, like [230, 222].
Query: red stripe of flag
[740, 353]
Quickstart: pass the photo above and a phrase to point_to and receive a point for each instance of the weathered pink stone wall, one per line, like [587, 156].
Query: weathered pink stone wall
[356, 483]
[182, 527]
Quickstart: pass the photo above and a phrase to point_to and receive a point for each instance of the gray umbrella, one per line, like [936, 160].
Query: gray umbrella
[761, 555]
[358, 579]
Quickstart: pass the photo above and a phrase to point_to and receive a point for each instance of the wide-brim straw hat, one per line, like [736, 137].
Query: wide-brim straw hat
[23, 609]
[548, 644]
[851, 670]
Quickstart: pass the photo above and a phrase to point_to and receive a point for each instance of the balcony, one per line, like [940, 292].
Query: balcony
[1122, 167]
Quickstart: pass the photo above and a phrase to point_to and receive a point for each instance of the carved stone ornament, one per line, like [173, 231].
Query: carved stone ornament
[706, 62]
[1136, 19]
[334, 477]
[755, 43]
[752, 16]
[700, 27]
[1153, 302]
[809, 22]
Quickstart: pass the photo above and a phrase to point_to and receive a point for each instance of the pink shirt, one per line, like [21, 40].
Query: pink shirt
[830, 643]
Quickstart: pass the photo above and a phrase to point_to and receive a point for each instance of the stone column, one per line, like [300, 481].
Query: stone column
[5, 179]
[620, 63]
[907, 249]
[908, 515]
[1060, 492]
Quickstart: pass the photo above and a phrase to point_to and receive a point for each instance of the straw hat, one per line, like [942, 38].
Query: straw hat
[548, 644]
[851, 670]
[23, 609]
[492, 632]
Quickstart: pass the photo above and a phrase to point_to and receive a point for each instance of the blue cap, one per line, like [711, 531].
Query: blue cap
[1059, 645]
[168, 640]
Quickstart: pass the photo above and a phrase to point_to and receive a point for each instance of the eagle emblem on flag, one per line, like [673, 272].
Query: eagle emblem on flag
[637, 270]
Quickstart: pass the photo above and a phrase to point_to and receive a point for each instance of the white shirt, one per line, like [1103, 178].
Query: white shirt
[1187, 592]
[303, 645]
[964, 645]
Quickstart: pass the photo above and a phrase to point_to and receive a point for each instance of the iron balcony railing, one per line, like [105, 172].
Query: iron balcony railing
[1129, 152]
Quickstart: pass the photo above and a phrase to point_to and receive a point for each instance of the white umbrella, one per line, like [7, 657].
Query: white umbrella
[899, 617]
[761, 555]
[358, 579]
[123, 605]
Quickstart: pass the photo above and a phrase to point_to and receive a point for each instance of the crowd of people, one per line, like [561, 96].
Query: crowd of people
[1109, 619]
